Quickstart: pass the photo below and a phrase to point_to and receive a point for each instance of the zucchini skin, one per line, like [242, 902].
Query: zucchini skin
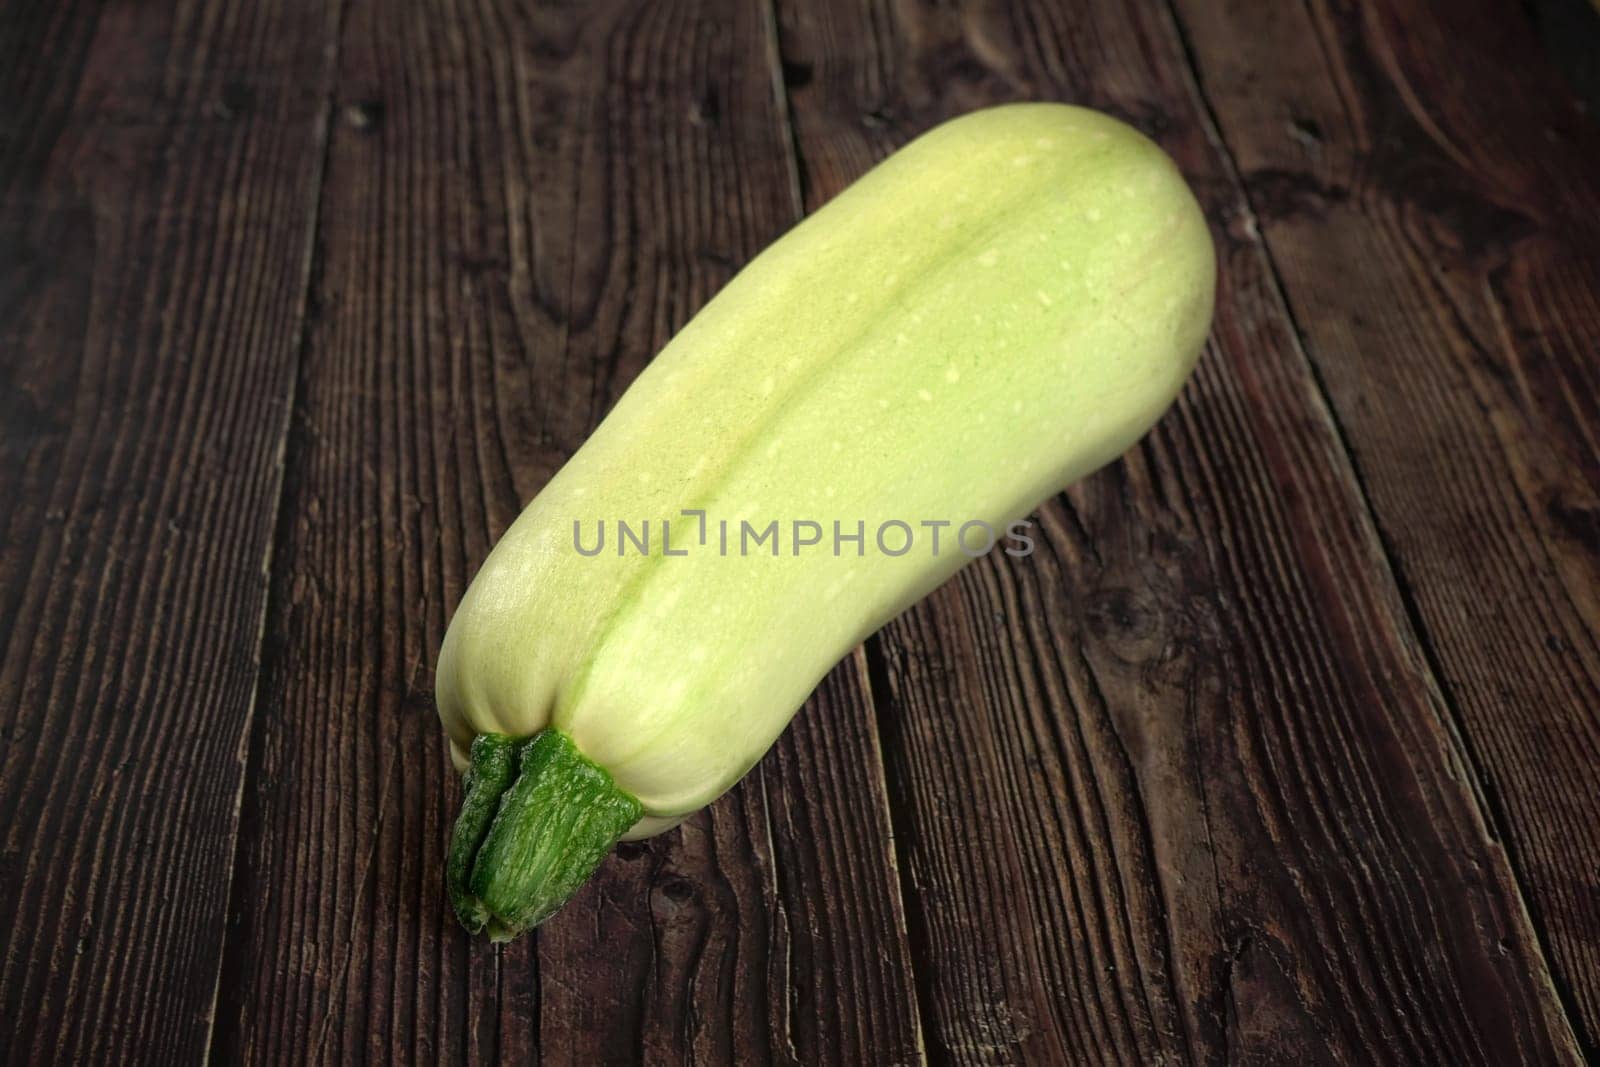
[1002, 306]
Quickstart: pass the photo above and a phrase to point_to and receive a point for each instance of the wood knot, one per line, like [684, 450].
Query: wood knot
[678, 890]
[364, 115]
[1306, 131]
[797, 75]
[708, 109]
[237, 99]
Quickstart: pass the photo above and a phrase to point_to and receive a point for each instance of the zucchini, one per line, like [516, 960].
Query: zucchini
[999, 308]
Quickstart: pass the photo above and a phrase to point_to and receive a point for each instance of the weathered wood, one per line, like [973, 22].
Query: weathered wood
[157, 187]
[1248, 762]
[1181, 786]
[521, 206]
[1437, 238]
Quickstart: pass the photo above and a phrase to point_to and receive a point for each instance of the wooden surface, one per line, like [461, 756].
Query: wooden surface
[1284, 747]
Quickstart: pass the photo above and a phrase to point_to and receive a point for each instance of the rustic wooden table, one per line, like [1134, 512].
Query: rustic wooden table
[1284, 748]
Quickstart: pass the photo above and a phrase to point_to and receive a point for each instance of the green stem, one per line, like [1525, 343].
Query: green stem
[487, 778]
[551, 827]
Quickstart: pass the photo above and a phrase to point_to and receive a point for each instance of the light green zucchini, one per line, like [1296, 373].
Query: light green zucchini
[1002, 306]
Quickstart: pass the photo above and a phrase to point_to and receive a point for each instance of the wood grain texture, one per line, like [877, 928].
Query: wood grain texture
[1281, 747]
[1436, 236]
[157, 187]
[1181, 787]
[520, 207]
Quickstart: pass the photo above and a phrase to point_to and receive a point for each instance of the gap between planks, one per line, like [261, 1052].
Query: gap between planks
[251, 737]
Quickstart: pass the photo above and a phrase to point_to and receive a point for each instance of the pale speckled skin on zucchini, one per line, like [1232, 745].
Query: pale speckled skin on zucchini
[997, 309]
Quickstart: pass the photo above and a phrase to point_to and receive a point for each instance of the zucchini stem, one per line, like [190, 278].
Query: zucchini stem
[493, 760]
[525, 844]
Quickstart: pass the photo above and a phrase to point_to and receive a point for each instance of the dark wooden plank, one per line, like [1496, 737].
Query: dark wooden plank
[1180, 787]
[158, 174]
[1570, 33]
[1437, 238]
[521, 207]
